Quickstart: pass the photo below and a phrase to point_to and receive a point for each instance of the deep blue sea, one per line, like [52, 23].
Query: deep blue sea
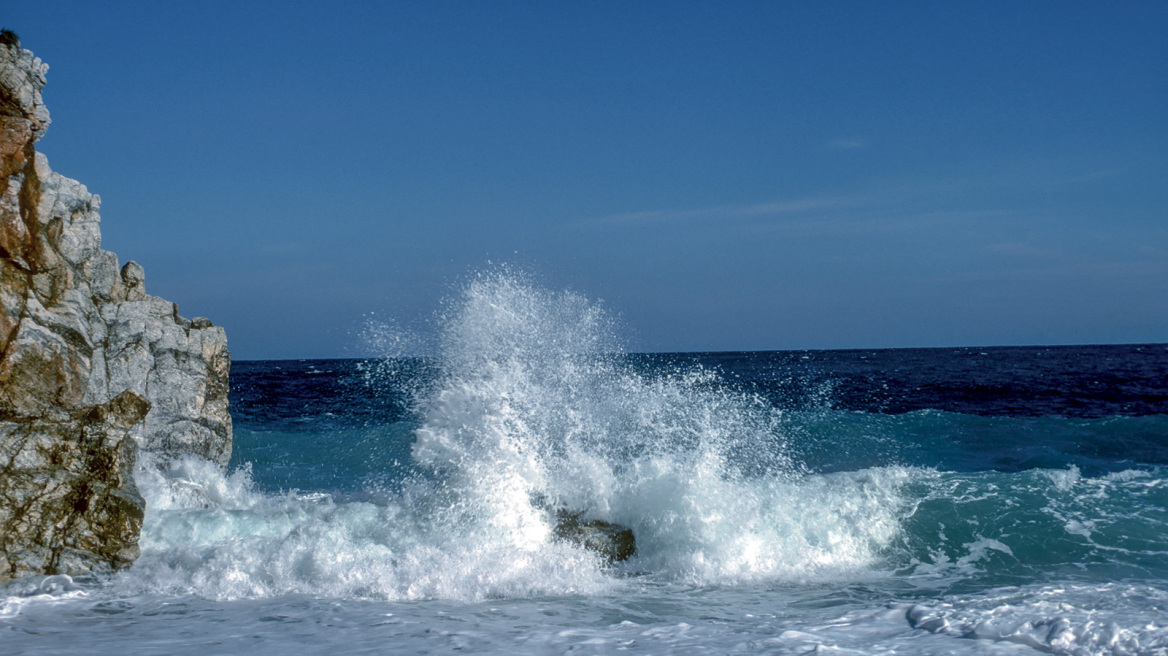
[905, 501]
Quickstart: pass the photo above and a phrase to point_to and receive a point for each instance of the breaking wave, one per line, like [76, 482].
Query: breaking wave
[532, 408]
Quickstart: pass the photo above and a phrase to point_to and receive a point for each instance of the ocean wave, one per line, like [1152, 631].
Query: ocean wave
[532, 409]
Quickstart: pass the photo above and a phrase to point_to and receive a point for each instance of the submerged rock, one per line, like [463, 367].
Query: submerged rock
[612, 541]
[92, 368]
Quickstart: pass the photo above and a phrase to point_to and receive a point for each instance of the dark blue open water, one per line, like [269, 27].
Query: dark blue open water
[921, 501]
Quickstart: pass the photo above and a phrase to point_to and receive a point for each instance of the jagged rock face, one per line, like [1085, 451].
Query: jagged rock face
[67, 489]
[83, 349]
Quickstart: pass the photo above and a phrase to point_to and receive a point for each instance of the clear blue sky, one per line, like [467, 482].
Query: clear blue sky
[724, 175]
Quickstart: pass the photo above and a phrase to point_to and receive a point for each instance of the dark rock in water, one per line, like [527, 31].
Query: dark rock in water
[612, 541]
[92, 368]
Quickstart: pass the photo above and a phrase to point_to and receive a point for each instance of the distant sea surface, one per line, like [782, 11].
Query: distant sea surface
[905, 501]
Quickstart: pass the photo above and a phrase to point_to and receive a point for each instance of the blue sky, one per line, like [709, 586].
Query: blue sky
[725, 176]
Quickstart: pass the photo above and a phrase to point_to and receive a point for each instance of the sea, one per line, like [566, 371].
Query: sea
[1004, 500]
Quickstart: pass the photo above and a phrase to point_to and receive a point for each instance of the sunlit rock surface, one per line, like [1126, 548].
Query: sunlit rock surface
[94, 372]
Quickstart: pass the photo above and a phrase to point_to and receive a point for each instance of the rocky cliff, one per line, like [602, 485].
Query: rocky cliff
[96, 376]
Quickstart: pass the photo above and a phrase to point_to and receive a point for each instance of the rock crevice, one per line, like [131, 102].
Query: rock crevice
[93, 370]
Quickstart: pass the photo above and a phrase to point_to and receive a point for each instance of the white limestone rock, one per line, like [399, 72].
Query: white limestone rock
[92, 368]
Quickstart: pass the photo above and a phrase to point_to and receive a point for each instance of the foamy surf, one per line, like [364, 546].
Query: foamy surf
[759, 527]
[532, 408]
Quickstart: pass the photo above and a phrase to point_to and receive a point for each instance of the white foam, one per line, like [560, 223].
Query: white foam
[534, 405]
[532, 409]
[16, 595]
[1064, 479]
[1079, 619]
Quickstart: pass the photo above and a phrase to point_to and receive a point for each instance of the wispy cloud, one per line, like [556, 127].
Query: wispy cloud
[774, 208]
[896, 202]
[846, 144]
[1096, 271]
[1096, 175]
[901, 201]
[282, 248]
[1021, 249]
[872, 219]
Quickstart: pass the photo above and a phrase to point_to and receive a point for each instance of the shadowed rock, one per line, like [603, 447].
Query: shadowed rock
[68, 502]
[613, 542]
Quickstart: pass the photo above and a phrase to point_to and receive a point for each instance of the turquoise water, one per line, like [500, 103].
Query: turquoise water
[919, 501]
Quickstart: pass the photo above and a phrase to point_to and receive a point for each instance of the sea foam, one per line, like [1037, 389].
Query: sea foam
[533, 407]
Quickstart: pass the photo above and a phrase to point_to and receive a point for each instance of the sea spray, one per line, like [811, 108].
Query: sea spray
[840, 529]
[531, 405]
[538, 406]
